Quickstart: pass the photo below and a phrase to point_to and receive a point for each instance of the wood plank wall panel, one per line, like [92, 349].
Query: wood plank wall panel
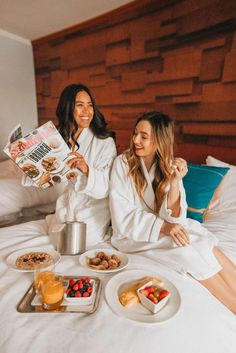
[175, 56]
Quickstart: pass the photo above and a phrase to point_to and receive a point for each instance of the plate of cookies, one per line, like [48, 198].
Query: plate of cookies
[104, 260]
[30, 259]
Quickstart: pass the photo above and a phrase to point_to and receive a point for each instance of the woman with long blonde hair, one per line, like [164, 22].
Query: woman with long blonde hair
[148, 210]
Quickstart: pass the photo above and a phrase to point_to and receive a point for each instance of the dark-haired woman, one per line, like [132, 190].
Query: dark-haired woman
[92, 153]
[148, 210]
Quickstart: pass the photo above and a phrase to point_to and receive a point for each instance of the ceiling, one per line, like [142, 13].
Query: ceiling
[32, 19]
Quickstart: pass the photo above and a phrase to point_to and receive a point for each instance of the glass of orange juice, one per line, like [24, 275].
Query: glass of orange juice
[43, 275]
[52, 293]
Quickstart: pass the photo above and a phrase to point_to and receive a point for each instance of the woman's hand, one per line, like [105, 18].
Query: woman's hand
[176, 232]
[180, 169]
[78, 162]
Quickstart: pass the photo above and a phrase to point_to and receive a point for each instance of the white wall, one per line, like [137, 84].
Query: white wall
[17, 86]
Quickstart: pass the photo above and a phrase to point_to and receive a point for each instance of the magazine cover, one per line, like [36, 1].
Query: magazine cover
[42, 155]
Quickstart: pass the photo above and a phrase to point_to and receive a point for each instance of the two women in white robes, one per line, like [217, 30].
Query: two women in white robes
[148, 210]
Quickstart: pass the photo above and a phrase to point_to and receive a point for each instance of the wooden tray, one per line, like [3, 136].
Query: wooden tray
[30, 304]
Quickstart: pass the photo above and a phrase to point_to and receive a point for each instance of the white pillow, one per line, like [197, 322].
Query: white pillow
[8, 169]
[213, 162]
[224, 198]
[220, 217]
[14, 196]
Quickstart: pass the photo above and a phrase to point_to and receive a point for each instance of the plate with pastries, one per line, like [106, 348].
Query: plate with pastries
[142, 296]
[104, 260]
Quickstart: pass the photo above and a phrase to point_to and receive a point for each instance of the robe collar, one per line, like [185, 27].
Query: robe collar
[84, 141]
[148, 193]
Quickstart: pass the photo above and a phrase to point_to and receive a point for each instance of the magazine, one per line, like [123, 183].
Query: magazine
[41, 155]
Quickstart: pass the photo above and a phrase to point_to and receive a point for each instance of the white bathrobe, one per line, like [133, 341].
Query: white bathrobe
[87, 200]
[137, 228]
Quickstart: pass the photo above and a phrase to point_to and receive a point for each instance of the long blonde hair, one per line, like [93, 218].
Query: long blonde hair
[163, 136]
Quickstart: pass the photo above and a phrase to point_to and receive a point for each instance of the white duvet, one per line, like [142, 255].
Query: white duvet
[202, 325]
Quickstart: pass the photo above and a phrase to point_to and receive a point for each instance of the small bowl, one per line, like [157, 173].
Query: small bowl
[145, 301]
[80, 300]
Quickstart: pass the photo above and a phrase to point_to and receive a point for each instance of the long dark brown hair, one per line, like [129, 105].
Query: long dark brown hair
[67, 125]
[162, 128]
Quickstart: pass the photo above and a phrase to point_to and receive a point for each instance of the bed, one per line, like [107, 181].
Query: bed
[202, 323]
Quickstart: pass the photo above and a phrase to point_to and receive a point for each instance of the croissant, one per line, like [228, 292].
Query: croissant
[129, 295]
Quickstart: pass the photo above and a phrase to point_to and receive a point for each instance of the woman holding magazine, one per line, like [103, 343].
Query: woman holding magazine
[93, 150]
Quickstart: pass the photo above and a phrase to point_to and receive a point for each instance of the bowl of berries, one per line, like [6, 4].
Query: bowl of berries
[80, 290]
[153, 297]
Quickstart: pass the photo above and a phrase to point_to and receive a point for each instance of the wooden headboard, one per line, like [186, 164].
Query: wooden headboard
[175, 56]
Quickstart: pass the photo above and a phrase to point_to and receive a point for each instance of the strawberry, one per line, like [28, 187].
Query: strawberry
[68, 290]
[80, 285]
[86, 294]
[163, 294]
[71, 282]
[90, 289]
[87, 280]
[150, 289]
[75, 287]
[144, 292]
[78, 294]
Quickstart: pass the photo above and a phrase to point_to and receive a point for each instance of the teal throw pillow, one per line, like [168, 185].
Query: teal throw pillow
[200, 183]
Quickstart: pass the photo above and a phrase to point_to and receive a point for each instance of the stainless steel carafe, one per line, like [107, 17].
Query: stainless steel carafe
[72, 238]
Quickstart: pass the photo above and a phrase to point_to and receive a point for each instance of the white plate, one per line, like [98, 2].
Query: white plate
[11, 259]
[55, 140]
[138, 312]
[92, 253]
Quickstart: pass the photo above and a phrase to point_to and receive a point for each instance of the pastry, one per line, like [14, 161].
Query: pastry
[44, 179]
[71, 175]
[50, 164]
[104, 262]
[33, 260]
[129, 295]
[30, 170]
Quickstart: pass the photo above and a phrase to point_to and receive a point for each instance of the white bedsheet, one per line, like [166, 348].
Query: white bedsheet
[203, 324]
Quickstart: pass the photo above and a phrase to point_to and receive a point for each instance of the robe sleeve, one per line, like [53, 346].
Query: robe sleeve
[97, 183]
[166, 213]
[129, 219]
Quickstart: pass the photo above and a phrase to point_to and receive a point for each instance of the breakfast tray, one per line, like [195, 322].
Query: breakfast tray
[30, 302]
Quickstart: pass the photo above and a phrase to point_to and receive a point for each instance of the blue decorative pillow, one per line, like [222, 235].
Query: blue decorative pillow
[200, 183]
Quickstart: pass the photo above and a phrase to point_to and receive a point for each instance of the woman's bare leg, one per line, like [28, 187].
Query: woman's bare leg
[228, 272]
[220, 289]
